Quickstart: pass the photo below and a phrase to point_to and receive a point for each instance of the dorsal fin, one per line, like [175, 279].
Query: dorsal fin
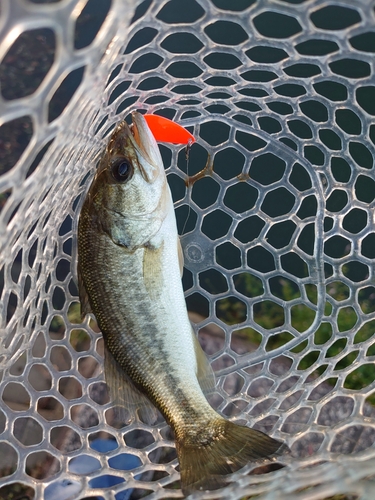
[180, 256]
[205, 374]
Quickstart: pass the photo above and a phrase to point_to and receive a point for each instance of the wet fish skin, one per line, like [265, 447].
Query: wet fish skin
[129, 277]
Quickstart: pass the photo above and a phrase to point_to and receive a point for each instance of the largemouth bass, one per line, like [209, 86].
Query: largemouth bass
[129, 266]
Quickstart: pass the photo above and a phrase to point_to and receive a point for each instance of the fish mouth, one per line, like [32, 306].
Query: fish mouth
[136, 142]
[144, 140]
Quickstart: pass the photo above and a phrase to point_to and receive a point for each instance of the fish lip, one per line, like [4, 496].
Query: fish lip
[139, 137]
[145, 144]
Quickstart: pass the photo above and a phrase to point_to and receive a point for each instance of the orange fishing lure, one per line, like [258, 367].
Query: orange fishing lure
[165, 130]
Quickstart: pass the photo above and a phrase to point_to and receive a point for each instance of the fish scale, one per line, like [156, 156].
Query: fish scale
[129, 277]
[123, 304]
[131, 349]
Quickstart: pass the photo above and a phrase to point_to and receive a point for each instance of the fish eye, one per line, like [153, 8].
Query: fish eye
[122, 170]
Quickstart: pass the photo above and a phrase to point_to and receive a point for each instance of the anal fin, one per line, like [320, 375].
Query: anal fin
[83, 296]
[124, 393]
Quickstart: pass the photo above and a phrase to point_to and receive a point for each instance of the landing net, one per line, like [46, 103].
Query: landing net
[278, 235]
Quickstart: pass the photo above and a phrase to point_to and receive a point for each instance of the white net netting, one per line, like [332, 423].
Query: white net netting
[278, 234]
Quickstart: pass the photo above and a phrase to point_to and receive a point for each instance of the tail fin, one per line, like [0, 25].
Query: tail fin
[205, 460]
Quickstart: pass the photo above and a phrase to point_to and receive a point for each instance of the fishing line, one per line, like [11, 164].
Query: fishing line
[187, 157]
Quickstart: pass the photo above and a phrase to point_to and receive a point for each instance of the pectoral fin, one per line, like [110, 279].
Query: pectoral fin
[152, 272]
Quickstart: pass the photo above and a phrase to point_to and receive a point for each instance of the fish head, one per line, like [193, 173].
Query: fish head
[130, 193]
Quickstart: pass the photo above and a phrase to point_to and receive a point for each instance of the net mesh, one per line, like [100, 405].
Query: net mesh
[276, 211]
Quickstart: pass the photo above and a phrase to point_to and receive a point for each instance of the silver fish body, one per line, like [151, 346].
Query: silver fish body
[129, 277]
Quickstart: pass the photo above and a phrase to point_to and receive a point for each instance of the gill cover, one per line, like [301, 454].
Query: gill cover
[129, 192]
